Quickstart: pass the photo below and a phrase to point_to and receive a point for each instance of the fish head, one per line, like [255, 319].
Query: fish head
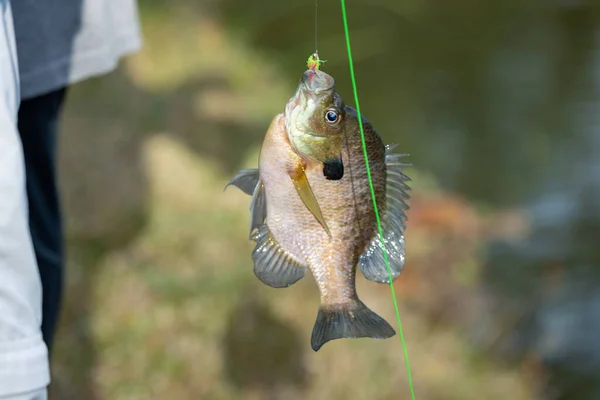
[315, 119]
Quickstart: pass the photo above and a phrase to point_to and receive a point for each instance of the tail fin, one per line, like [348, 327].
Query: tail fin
[354, 320]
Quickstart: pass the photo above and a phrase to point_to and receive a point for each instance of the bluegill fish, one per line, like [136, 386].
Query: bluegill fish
[312, 208]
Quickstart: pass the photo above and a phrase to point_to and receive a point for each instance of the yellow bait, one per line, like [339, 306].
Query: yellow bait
[314, 62]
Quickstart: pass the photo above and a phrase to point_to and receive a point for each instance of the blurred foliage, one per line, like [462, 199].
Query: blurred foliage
[161, 298]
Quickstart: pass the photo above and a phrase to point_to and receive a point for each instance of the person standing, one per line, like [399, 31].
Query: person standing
[59, 43]
[45, 46]
[24, 369]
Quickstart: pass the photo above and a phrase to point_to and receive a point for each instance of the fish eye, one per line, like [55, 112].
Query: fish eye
[332, 116]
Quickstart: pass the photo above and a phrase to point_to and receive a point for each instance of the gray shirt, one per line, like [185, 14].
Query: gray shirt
[60, 42]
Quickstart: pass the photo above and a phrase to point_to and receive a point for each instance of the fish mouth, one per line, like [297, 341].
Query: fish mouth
[312, 86]
[317, 81]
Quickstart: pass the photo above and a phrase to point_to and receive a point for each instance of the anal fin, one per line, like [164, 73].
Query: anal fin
[354, 320]
[272, 264]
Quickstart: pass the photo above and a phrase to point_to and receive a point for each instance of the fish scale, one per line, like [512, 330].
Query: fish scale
[312, 207]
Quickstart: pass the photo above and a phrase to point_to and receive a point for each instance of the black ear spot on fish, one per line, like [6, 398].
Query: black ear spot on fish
[333, 170]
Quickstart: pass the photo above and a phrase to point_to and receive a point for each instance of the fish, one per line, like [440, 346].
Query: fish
[311, 207]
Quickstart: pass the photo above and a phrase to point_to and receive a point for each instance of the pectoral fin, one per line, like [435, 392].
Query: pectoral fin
[308, 197]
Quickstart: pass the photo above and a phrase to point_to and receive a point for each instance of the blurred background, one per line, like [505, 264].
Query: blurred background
[498, 104]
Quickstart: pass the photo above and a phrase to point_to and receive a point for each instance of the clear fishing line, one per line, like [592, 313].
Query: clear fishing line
[364, 147]
[316, 27]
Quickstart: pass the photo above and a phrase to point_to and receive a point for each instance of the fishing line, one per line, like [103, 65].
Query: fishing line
[316, 27]
[364, 147]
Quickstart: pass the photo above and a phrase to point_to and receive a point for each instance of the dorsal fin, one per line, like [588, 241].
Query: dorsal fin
[272, 264]
[393, 224]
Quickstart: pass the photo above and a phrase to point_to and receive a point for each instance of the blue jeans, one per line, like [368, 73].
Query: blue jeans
[38, 127]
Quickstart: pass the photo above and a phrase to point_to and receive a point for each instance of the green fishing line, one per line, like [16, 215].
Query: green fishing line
[385, 256]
